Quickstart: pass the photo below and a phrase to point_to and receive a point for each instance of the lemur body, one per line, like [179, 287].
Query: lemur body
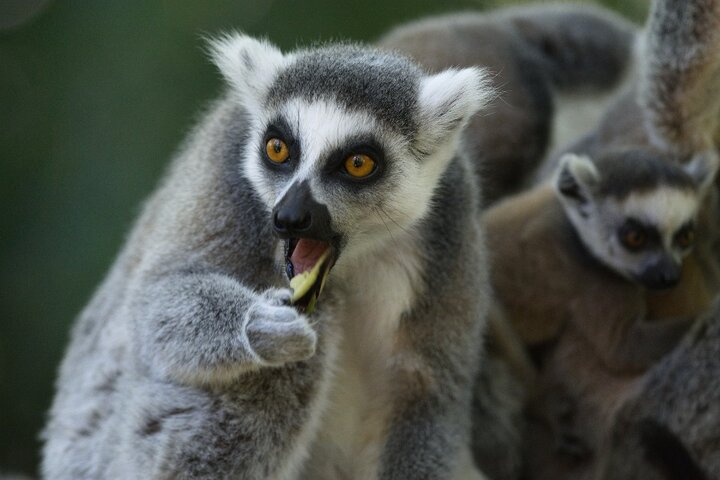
[544, 60]
[190, 362]
[595, 347]
[595, 325]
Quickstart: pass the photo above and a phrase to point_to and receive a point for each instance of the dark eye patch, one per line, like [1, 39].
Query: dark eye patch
[279, 128]
[633, 229]
[685, 236]
[334, 165]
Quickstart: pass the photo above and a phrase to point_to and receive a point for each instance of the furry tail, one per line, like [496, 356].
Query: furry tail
[680, 73]
[665, 450]
[578, 47]
[534, 53]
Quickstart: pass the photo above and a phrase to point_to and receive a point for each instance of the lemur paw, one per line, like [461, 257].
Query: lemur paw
[277, 332]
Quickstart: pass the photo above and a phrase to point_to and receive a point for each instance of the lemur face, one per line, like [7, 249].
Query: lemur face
[648, 234]
[337, 176]
[636, 212]
[346, 144]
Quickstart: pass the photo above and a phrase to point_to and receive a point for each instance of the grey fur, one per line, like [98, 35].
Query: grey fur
[671, 109]
[658, 123]
[389, 89]
[680, 73]
[498, 423]
[601, 197]
[661, 126]
[188, 361]
[680, 394]
[533, 53]
[637, 170]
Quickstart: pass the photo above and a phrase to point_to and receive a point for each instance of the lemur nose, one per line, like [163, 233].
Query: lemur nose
[298, 214]
[663, 274]
[287, 220]
[668, 279]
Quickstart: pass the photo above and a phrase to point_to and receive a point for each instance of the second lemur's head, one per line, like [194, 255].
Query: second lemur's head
[346, 144]
[636, 210]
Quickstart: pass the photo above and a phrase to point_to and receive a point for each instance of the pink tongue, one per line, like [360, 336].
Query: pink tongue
[306, 254]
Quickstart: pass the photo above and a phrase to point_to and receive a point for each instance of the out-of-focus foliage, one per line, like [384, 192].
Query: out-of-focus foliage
[94, 98]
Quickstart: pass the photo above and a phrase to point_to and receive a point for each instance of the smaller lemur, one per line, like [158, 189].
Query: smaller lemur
[581, 268]
[620, 227]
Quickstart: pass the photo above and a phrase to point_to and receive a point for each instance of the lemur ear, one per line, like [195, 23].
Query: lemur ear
[576, 178]
[248, 65]
[703, 168]
[447, 100]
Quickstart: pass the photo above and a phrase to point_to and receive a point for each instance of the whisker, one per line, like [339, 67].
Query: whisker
[376, 210]
[394, 221]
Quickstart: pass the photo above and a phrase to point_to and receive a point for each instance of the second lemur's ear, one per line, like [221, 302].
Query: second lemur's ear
[576, 179]
[703, 168]
[446, 102]
[249, 66]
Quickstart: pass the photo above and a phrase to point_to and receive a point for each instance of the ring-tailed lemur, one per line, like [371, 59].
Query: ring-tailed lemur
[189, 361]
[555, 65]
[593, 349]
[611, 231]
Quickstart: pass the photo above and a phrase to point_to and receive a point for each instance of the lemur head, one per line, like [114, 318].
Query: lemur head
[346, 143]
[635, 210]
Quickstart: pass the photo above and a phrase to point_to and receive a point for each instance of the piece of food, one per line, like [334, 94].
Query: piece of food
[308, 285]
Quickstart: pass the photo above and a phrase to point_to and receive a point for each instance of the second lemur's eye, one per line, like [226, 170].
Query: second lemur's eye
[276, 150]
[634, 238]
[685, 238]
[359, 165]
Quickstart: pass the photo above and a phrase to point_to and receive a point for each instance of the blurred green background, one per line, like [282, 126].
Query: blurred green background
[94, 97]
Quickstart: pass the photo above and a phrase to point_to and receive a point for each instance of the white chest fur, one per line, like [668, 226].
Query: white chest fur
[376, 292]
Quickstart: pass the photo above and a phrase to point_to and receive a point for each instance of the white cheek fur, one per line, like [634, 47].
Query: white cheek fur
[322, 126]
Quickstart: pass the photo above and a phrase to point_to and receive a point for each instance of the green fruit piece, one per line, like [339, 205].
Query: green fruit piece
[302, 283]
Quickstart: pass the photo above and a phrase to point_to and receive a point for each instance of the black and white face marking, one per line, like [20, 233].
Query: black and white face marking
[346, 144]
[644, 234]
[361, 173]
[653, 233]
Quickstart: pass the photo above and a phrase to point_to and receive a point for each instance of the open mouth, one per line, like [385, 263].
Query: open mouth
[307, 263]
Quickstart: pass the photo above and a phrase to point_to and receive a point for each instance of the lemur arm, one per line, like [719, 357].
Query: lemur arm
[200, 328]
[616, 324]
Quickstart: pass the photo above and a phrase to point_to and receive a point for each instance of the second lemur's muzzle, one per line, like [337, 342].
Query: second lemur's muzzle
[661, 274]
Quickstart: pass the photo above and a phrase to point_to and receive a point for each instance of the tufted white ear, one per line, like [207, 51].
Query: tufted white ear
[703, 168]
[249, 65]
[447, 100]
[576, 179]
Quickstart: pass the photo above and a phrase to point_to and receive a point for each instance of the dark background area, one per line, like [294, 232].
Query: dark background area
[94, 98]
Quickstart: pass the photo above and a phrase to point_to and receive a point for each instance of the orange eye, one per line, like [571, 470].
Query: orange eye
[277, 151]
[634, 238]
[685, 238]
[359, 165]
